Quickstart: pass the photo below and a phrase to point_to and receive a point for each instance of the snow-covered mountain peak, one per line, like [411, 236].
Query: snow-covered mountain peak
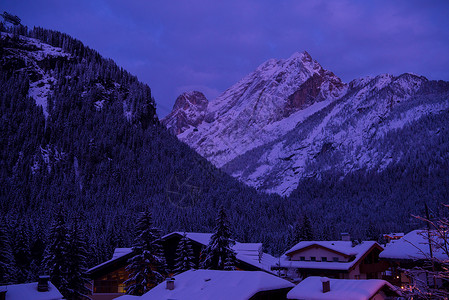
[274, 126]
[254, 111]
[189, 110]
[191, 100]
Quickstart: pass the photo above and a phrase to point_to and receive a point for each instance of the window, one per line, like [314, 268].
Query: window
[356, 276]
[313, 258]
[323, 258]
[302, 258]
[335, 258]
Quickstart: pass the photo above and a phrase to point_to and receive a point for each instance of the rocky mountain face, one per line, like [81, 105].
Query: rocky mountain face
[189, 110]
[292, 119]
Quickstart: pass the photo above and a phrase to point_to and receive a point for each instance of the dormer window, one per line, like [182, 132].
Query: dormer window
[323, 258]
[302, 258]
[335, 259]
[313, 258]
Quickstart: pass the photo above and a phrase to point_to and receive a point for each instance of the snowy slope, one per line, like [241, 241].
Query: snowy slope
[350, 134]
[291, 119]
[33, 54]
[258, 108]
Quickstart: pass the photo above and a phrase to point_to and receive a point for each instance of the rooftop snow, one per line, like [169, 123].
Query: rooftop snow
[246, 252]
[414, 245]
[344, 247]
[250, 253]
[217, 285]
[29, 291]
[311, 288]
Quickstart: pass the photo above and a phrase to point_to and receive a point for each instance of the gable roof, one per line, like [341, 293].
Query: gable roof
[413, 246]
[199, 237]
[247, 253]
[119, 259]
[311, 288]
[344, 247]
[217, 285]
[29, 291]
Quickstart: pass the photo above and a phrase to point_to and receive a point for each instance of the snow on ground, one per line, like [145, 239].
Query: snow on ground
[217, 285]
[40, 89]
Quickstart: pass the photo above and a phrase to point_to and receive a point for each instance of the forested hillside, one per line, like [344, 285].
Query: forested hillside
[102, 153]
[76, 129]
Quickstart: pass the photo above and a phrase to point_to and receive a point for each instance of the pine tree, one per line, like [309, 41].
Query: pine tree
[55, 261]
[6, 259]
[22, 255]
[76, 264]
[219, 254]
[147, 267]
[302, 231]
[185, 257]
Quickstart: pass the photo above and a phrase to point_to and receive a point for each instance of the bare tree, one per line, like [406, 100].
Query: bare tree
[430, 280]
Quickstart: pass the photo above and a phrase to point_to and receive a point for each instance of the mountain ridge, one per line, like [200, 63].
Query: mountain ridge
[245, 121]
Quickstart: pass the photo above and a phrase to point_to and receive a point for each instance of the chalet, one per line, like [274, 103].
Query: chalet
[42, 290]
[318, 288]
[221, 285]
[107, 279]
[409, 252]
[335, 259]
[250, 256]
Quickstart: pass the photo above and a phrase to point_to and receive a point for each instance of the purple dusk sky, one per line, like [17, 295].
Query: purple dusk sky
[175, 46]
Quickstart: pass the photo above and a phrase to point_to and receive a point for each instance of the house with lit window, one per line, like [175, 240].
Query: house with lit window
[343, 259]
[107, 279]
[414, 252]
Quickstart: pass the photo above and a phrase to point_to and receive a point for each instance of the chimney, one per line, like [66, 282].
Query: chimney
[345, 237]
[326, 284]
[170, 284]
[42, 284]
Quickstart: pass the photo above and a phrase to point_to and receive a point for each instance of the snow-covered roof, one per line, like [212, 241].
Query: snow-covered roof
[202, 238]
[414, 245]
[344, 247]
[217, 285]
[311, 288]
[119, 252]
[265, 263]
[29, 291]
[247, 246]
[246, 252]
